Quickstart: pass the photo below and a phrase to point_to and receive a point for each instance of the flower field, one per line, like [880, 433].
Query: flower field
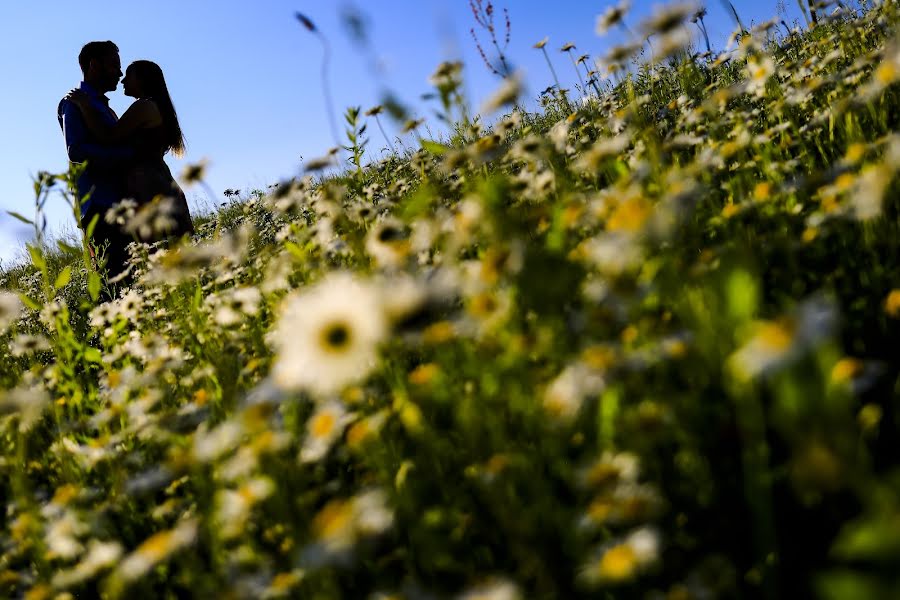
[643, 343]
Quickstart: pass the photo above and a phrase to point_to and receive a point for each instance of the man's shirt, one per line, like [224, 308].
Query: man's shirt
[105, 163]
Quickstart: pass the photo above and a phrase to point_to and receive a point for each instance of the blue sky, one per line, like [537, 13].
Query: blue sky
[245, 76]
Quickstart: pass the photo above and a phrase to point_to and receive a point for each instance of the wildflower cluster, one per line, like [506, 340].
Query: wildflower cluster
[641, 345]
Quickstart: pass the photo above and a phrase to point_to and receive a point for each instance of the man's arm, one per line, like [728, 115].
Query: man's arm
[79, 146]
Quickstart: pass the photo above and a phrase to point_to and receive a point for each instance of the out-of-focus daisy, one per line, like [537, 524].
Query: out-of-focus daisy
[25, 344]
[27, 402]
[506, 95]
[493, 589]
[665, 19]
[610, 469]
[10, 309]
[341, 522]
[233, 306]
[324, 427]
[99, 556]
[565, 395]
[624, 504]
[759, 68]
[62, 537]
[156, 549]
[327, 336]
[388, 243]
[622, 560]
[210, 445]
[233, 507]
[612, 17]
[671, 43]
[774, 344]
[365, 429]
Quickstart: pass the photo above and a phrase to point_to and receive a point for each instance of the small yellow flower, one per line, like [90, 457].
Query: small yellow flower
[334, 521]
[439, 333]
[809, 234]
[762, 191]
[846, 369]
[869, 417]
[358, 433]
[775, 336]
[200, 397]
[114, 378]
[617, 564]
[600, 509]
[887, 73]
[599, 357]
[64, 494]
[542, 43]
[630, 215]
[629, 334]
[855, 153]
[730, 209]
[424, 374]
[39, 592]
[323, 424]
[892, 304]
[283, 583]
[844, 182]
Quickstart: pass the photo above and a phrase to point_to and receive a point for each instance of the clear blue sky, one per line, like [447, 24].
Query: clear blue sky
[244, 76]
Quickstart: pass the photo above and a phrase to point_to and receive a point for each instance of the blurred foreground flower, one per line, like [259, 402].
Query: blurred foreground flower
[10, 309]
[493, 589]
[777, 343]
[323, 428]
[154, 550]
[342, 522]
[612, 17]
[622, 560]
[327, 336]
[506, 95]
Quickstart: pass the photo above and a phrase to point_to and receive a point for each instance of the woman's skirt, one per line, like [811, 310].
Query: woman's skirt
[161, 201]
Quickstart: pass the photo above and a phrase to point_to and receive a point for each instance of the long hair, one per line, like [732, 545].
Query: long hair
[153, 86]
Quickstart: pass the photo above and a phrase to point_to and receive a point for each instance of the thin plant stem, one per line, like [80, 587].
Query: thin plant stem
[577, 72]
[729, 7]
[555, 78]
[326, 88]
[386, 138]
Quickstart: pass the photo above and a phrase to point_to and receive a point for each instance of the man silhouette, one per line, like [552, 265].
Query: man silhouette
[101, 180]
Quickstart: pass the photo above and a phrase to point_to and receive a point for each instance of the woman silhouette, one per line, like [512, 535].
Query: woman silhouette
[150, 126]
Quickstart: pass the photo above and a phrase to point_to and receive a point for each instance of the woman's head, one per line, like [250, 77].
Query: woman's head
[144, 79]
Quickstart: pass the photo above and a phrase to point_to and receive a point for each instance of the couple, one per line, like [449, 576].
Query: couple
[123, 157]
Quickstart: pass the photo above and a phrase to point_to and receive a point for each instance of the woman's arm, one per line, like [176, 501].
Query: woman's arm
[141, 114]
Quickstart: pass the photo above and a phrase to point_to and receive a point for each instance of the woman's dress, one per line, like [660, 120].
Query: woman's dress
[149, 177]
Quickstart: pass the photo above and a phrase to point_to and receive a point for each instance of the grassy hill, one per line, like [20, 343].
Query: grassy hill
[641, 344]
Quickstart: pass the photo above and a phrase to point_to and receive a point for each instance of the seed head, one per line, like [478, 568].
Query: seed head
[306, 22]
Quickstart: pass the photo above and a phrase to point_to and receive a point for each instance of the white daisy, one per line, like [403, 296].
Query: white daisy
[327, 337]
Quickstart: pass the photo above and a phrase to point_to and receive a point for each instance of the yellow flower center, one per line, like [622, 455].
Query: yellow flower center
[846, 369]
[156, 546]
[333, 519]
[775, 336]
[358, 434]
[886, 73]
[336, 337]
[892, 304]
[323, 424]
[630, 215]
[618, 563]
[762, 191]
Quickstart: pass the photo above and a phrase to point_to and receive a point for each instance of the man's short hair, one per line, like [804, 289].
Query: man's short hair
[95, 50]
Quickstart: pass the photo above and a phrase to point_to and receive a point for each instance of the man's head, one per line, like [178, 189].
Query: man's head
[101, 65]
